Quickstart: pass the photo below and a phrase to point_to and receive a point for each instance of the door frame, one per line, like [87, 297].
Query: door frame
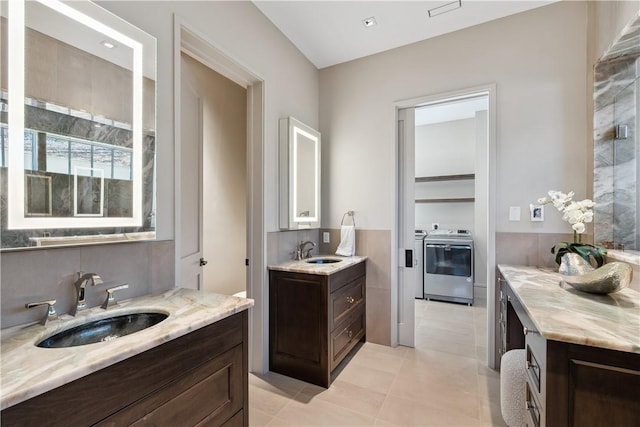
[490, 212]
[200, 47]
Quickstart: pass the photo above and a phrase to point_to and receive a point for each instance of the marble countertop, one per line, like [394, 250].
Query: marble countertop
[629, 256]
[561, 313]
[27, 371]
[322, 269]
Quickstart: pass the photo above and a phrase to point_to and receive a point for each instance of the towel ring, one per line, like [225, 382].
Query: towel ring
[353, 218]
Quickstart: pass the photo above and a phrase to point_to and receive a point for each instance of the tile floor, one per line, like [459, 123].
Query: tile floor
[443, 381]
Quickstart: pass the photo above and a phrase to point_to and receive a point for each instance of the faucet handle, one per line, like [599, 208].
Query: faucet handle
[111, 300]
[51, 310]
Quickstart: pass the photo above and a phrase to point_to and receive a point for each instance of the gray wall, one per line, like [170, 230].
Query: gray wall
[240, 30]
[36, 275]
[537, 59]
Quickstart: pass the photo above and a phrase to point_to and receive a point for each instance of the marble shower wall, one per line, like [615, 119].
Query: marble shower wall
[616, 161]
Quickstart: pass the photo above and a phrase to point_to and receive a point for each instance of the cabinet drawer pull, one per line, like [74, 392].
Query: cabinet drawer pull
[534, 412]
[526, 330]
[351, 299]
[350, 334]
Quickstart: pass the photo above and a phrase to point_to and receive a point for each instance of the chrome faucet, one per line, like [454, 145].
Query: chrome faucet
[300, 250]
[51, 311]
[81, 284]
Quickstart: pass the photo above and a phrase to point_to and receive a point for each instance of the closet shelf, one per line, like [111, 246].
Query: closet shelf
[452, 200]
[446, 178]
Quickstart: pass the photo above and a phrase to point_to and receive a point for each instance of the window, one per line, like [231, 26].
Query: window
[64, 153]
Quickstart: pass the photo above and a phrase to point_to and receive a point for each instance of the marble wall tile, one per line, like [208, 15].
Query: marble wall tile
[616, 161]
[35, 275]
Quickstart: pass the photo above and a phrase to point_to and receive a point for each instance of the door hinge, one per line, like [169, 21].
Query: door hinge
[246, 261]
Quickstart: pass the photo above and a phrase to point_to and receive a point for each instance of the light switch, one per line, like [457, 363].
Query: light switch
[514, 213]
[325, 237]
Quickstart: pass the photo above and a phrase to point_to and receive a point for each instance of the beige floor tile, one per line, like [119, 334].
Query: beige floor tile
[367, 377]
[346, 395]
[443, 381]
[404, 412]
[399, 351]
[438, 393]
[378, 360]
[489, 388]
[277, 382]
[318, 412]
[460, 347]
[257, 418]
[490, 414]
[380, 422]
[267, 401]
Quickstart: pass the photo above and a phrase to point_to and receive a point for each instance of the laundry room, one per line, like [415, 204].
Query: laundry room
[450, 145]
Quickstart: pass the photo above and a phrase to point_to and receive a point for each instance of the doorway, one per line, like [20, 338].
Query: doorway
[445, 183]
[189, 196]
[214, 151]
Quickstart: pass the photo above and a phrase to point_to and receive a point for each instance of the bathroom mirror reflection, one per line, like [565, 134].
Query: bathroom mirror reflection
[617, 143]
[82, 168]
[299, 175]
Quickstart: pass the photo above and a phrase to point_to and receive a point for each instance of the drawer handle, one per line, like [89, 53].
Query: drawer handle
[351, 300]
[526, 331]
[350, 334]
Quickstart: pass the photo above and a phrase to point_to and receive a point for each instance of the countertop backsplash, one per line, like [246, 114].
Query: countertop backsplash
[37, 275]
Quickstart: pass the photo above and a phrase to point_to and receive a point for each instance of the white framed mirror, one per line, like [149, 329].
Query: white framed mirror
[300, 148]
[86, 125]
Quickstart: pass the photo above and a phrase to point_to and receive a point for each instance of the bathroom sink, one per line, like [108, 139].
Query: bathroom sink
[323, 260]
[103, 330]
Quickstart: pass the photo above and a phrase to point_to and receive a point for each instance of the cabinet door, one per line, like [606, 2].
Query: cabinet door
[211, 393]
[591, 386]
[298, 326]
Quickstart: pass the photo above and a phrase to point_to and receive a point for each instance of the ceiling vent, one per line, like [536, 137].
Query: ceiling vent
[447, 7]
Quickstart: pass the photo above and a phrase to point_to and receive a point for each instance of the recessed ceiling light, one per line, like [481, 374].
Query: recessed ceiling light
[447, 7]
[107, 44]
[369, 22]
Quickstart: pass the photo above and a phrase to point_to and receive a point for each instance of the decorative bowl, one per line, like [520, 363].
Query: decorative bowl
[609, 278]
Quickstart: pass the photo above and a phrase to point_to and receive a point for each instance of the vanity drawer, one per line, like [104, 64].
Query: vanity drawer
[346, 300]
[536, 356]
[346, 335]
[533, 415]
[207, 395]
[534, 370]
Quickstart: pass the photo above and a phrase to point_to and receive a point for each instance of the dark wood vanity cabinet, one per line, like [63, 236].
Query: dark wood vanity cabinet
[315, 321]
[569, 384]
[200, 379]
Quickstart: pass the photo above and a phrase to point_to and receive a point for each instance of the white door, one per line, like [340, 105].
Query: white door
[190, 245]
[406, 227]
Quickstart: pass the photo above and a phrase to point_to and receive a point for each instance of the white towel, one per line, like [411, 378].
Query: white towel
[347, 246]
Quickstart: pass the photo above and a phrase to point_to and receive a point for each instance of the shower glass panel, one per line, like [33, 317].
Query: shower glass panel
[625, 166]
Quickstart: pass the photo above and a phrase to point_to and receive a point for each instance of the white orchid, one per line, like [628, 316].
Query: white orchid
[575, 213]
